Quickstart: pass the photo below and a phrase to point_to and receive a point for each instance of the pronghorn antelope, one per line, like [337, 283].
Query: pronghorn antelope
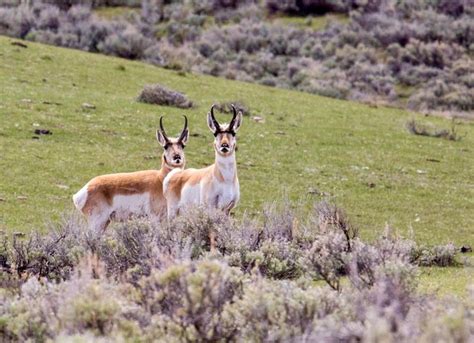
[216, 186]
[120, 196]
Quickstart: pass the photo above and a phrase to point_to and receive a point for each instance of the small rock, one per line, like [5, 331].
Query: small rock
[21, 197]
[466, 249]
[371, 185]
[88, 106]
[258, 119]
[62, 186]
[3, 199]
[43, 132]
[280, 133]
[313, 191]
[419, 171]
[20, 44]
[27, 101]
[52, 103]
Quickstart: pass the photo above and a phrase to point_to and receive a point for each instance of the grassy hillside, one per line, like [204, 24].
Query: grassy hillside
[360, 157]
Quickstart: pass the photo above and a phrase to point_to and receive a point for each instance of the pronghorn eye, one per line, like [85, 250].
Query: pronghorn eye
[167, 145]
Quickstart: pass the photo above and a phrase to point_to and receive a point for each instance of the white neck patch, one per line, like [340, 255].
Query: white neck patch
[227, 166]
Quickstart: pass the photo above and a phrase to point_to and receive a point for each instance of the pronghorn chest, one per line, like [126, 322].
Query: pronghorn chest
[225, 193]
[228, 171]
[226, 188]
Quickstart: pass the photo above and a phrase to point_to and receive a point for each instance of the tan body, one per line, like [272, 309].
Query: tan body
[124, 195]
[216, 186]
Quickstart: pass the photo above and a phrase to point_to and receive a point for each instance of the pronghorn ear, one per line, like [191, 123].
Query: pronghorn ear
[237, 122]
[210, 123]
[161, 138]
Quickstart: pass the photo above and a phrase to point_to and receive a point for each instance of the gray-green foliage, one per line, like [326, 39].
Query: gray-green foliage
[385, 46]
[160, 95]
[264, 282]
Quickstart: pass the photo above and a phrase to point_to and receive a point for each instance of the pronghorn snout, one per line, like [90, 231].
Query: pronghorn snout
[225, 147]
[177, 158]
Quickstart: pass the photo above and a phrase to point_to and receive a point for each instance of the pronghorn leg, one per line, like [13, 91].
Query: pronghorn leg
[99, 221]
[172, 209]
[229, 207]
[212, 240]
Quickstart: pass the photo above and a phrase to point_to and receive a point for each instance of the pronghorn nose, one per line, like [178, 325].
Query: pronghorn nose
[225, 145]
[176, 157]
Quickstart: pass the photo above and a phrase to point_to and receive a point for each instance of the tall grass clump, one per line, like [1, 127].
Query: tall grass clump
[159, 95]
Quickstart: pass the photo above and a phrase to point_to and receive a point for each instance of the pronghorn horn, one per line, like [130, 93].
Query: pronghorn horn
[232, 122]
[216, 123]
[185, 128]
[163, 129]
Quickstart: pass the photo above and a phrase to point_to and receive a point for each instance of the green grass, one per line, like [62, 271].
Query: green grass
[360, 157]
[115, 12]
[315, 23]
[446, 281]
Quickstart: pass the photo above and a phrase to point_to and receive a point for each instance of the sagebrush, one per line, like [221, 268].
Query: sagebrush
[142, 280]
[407, 53]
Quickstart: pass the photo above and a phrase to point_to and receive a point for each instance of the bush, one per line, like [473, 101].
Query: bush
[159, 95]
[417, 129]
[187, 300]
[306, 7]
[141, 280]
[52, 256]
[226, 107]
[385, 44]
[127, 43]
[283, 311]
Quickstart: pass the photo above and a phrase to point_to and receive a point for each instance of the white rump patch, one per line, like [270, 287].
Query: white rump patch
[80, 198]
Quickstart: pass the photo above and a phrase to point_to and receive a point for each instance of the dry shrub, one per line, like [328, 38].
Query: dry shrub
[141, 280]
[159, 95]
[226, 107]
[416, 128]
[426, 45]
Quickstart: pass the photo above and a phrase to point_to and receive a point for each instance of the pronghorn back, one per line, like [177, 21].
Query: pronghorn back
[106, 188]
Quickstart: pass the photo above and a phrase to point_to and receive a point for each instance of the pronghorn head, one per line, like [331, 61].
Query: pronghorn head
[173, 147]
[225, 140]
